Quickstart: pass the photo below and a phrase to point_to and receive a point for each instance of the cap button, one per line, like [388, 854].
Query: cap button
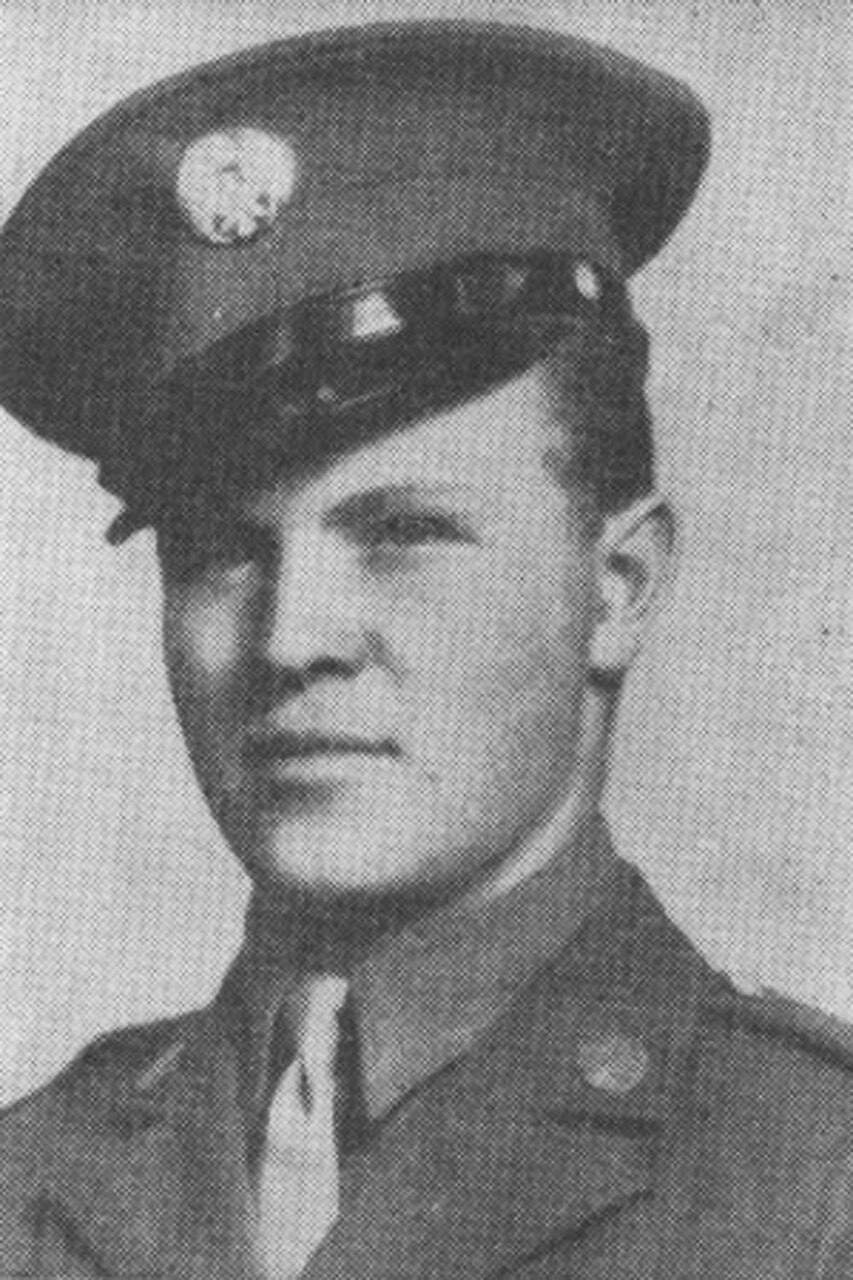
[588, 282]
[614, 1063]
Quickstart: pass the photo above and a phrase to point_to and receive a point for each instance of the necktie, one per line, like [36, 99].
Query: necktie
[298, 1186]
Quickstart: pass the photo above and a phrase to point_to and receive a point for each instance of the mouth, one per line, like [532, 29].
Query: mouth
[283, 747]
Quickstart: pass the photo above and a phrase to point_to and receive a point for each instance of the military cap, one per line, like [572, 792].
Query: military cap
[350, 222]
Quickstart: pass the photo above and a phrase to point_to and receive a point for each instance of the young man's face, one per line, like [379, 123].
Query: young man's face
[380, 665]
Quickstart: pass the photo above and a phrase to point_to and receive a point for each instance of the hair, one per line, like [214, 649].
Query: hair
[596, 374]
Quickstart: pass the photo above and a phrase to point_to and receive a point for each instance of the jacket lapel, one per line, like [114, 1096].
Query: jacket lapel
[150, 1178]
[552, 1124]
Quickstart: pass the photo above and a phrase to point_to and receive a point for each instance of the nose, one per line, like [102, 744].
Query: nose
[313, 626]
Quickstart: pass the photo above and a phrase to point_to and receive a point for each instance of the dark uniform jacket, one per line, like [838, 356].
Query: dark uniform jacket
[626, 1114]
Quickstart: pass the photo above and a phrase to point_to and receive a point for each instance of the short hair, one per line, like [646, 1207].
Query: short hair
[597, 374]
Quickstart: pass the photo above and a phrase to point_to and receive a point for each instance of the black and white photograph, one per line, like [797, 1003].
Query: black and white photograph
[426, 528]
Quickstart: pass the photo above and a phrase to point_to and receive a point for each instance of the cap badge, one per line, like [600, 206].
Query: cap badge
[613, 1063]
[232, 185]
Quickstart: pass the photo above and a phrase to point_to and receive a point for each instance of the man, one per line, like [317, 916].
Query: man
[345, 321]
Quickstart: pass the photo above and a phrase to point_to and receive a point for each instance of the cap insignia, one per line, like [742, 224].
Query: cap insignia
[232, 185]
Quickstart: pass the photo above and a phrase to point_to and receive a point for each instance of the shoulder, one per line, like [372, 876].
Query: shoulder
[122, 1049]
[789, 1044]
[102, 1070]
[779, 1073]
[40, 1134]
[821, 1034]
[773, 1095]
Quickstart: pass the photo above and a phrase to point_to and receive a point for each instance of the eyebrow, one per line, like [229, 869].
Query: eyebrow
[373, 504]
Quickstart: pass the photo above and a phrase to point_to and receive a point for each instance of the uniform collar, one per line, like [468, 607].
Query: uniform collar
[558, 1117]
[424, 996]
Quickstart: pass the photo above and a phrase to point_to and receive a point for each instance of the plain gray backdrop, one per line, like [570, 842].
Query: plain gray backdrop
[733, 779]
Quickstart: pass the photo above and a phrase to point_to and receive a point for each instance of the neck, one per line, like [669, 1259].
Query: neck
[310, 935]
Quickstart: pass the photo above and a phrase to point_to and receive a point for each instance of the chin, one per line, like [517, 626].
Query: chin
[373, 861]
[328, 858]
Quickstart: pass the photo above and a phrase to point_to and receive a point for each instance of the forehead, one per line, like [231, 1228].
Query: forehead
[494, 445]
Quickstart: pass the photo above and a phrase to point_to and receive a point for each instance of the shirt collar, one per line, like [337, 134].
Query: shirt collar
[425, 995]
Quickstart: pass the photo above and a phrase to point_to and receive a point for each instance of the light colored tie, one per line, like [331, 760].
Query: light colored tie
[298, 1187]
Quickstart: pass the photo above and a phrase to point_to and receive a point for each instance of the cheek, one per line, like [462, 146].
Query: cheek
[497, 636]
[203, 640]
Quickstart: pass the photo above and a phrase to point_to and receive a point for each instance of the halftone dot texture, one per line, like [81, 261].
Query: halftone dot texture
[733, 779]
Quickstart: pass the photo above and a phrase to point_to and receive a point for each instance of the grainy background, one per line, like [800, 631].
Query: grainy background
[733, 782]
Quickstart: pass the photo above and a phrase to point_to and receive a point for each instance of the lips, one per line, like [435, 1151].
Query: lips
[280, 746]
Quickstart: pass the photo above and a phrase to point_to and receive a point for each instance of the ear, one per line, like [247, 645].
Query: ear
[635, 557]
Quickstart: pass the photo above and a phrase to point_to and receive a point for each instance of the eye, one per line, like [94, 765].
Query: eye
[211, 549]
[416, 528]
